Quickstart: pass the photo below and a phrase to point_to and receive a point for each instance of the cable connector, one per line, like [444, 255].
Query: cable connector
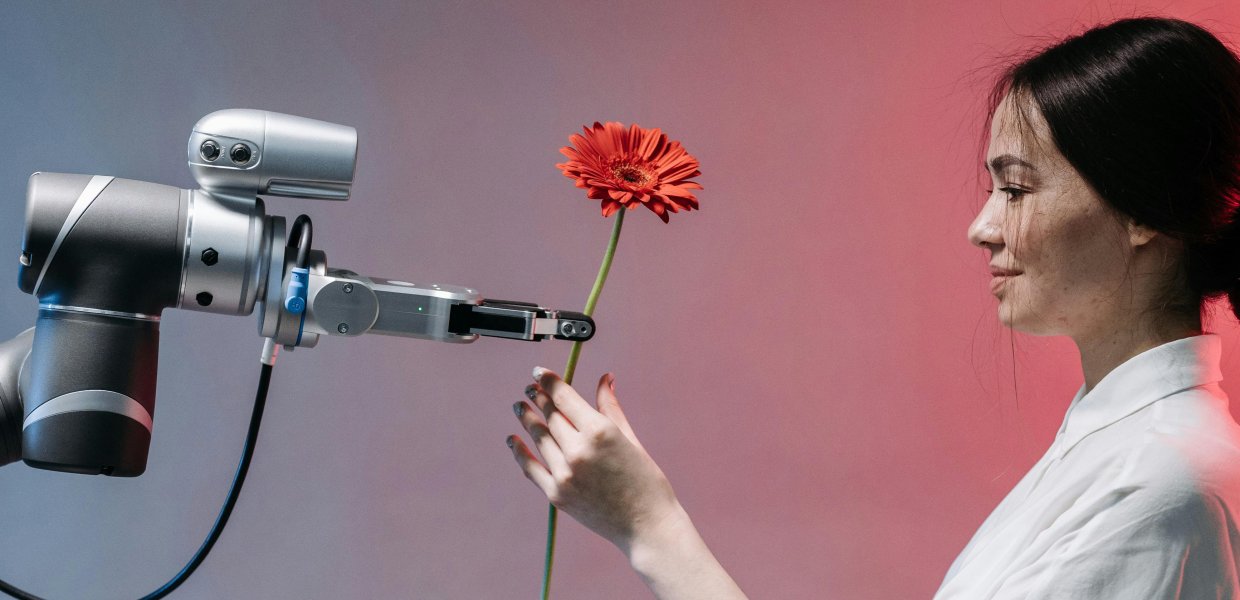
[270, 352]
[295, 299]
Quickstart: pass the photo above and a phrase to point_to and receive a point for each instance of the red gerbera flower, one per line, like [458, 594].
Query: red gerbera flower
[631, 167]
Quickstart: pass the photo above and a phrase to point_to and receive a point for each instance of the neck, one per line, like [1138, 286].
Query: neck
[1103, 351]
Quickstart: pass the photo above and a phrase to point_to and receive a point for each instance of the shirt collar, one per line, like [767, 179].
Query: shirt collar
[1140, 381]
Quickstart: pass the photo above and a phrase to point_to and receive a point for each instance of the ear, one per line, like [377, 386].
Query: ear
[1139, 235]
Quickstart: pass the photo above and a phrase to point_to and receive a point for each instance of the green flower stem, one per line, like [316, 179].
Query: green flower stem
[568, 378]
[592, 301]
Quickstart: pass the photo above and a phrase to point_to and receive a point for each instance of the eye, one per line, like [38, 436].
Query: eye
[1014, 193]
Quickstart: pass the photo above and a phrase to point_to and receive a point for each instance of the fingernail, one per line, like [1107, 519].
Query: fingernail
[531, 392]
[611, 382]
[539, 372]
[519, 408]
[509, 441]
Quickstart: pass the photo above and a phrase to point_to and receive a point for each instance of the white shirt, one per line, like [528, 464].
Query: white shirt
[1138, 497]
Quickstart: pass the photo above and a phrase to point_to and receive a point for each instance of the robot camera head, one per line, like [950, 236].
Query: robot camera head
[243, 153]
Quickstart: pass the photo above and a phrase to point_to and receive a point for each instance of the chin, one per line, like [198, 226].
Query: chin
[1005, 316]
[1025, 322]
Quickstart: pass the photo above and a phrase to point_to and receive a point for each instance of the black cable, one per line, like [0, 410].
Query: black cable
[247, 454]
[303, 233]
[251, 438]
[17, 593]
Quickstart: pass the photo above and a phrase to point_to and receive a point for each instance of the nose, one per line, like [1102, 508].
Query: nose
[986, 231]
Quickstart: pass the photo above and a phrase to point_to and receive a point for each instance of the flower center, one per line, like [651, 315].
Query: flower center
[630, 173]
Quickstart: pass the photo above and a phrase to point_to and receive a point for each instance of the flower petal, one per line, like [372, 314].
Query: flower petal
[660, 210]
[620, 195]
[683, 170]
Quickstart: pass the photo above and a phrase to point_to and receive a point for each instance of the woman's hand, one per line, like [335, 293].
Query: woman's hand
[593, 467]
[597, 472]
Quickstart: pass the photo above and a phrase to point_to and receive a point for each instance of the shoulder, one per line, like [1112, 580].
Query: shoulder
[1188, 453]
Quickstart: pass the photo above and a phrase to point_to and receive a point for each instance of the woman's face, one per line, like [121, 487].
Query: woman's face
[1058, 254]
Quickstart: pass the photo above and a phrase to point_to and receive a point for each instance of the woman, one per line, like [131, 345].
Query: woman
[1115, 158]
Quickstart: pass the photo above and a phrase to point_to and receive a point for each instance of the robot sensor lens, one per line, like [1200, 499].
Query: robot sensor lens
[210, 150]
[240, 154]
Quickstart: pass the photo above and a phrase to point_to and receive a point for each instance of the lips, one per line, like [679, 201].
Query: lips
[1000, 278]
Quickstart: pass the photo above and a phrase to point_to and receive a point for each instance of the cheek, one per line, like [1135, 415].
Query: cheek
[1028, 236]
[1079, 254]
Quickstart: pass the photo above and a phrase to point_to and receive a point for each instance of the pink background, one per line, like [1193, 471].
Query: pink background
[813, 358]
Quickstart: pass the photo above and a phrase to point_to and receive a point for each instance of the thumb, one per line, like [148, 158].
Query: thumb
[609, 405]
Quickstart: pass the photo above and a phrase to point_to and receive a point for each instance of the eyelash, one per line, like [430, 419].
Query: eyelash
[1014, 193]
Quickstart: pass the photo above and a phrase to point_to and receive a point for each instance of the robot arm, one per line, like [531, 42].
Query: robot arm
[106, 256]
[343, 303]
[13, 355]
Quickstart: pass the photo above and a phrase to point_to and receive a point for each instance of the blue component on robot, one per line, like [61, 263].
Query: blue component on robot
[295, 300]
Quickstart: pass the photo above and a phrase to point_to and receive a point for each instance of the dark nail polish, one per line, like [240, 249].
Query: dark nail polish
[531, 392]
[509, 441]
[519, 408]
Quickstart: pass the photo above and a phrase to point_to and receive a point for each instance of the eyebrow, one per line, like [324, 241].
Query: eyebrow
[1004, 161]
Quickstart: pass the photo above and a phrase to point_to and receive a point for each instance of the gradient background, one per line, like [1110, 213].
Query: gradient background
[813, 358]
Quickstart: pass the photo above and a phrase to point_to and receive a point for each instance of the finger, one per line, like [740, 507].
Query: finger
[543, 438]
[560, 425]
[566, 399]
[533, 469]
[609, 406]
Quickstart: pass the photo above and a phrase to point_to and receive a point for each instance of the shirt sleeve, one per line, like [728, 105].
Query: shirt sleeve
[1160, 544]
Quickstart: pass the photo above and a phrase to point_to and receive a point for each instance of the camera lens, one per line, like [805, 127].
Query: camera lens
[210, 150]
[240, 154]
